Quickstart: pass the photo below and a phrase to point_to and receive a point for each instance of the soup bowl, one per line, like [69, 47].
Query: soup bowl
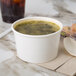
[37, 48]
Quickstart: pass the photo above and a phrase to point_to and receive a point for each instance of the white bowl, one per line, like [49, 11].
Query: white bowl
[37, 48]
[70, 45]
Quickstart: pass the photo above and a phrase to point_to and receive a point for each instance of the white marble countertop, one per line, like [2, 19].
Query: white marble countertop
[63, 10]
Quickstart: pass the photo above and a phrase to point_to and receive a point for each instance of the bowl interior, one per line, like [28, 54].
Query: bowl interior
[37, 18]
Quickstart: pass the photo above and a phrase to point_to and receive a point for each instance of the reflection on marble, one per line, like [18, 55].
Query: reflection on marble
[63, 10]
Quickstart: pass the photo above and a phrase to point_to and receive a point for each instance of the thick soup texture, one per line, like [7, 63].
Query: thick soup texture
[36, 27]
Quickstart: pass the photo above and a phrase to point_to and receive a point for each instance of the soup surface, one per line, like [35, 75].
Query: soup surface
[36, 27]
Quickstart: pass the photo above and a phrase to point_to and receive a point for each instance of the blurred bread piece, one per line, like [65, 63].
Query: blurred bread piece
[66, 31]
[73, 28]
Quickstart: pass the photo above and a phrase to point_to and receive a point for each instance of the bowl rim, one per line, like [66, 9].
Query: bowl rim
[38, 18]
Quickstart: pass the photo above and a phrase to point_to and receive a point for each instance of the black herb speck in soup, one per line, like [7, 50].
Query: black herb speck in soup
[36, 27]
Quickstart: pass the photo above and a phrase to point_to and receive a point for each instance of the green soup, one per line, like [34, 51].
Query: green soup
[36, 27]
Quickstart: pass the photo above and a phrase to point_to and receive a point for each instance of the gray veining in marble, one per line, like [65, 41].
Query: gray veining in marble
[63, 10]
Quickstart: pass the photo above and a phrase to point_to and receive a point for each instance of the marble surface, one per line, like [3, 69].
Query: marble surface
[63, 10]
